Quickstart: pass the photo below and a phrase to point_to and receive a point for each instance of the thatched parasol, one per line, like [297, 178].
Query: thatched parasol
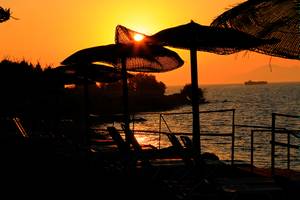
[128, 57]
[137, 57]
[267, 19]
[196, 37]
[90, 72]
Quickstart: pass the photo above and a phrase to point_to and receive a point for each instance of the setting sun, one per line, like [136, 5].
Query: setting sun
[138, 37]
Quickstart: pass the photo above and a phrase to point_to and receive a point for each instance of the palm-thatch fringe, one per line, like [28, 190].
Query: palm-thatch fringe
[267, 19]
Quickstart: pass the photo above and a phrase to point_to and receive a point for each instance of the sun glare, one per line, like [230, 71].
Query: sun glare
[138, 37]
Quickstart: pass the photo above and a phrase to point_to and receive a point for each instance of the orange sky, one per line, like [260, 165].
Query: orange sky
[49, 31]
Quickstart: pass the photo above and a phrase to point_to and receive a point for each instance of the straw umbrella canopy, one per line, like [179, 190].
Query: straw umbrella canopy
[195, 37]
[90, 72]
[129, 57]
[267, 19]
[135, 57]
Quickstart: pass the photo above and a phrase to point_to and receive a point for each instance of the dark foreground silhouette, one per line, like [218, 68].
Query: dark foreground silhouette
[32, 165]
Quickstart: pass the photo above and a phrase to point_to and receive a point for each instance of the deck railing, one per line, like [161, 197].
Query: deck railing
[164, 122]
[254, 131]
[289, 132]
[164, 127]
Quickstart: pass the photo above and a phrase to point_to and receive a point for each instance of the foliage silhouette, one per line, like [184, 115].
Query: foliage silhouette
[38, 96]
[143, 84]
[187, 92]
[29, 90]
[5, 14]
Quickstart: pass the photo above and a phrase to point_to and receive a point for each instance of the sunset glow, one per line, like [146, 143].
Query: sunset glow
[40, 37]
[138, 37]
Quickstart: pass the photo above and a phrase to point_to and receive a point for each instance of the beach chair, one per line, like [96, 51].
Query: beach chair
[205, 157]
[196, 168]
[20, 127]
[115, 135]
[130, 150]
[186, 141]
[177, 178]
[12, 128]
[184, 153]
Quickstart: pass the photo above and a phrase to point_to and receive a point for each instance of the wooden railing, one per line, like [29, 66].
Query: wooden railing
[288, 132]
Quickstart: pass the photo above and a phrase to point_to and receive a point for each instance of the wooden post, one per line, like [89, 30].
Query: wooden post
[125, 99]
[233, 137]
[195, 101]
[86, 136]
[273, 145]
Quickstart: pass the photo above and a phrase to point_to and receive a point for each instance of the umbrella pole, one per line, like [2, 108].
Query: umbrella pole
[195, 101]
[125, 98]
[86, 111]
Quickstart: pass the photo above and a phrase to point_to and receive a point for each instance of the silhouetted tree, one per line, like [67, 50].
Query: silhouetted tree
[187, 92]
[5, 14]
[30, 90]
[139, 85]
[146, 85]
[25, 88]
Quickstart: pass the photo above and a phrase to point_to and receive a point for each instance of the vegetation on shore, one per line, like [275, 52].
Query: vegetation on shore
[28, 89]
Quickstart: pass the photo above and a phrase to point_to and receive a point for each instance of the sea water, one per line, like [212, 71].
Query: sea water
[248, 108]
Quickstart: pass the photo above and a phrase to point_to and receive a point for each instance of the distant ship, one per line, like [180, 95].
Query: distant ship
[250, 82]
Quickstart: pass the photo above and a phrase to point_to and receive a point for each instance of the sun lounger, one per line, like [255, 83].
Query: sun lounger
[185, 154]
[20, 127]
[12, 128]
[183, 179]
[132, 150]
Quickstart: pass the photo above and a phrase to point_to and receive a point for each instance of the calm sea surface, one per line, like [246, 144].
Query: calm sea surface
[253, 107]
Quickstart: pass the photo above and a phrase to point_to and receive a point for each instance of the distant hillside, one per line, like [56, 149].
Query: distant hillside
[273, 73]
